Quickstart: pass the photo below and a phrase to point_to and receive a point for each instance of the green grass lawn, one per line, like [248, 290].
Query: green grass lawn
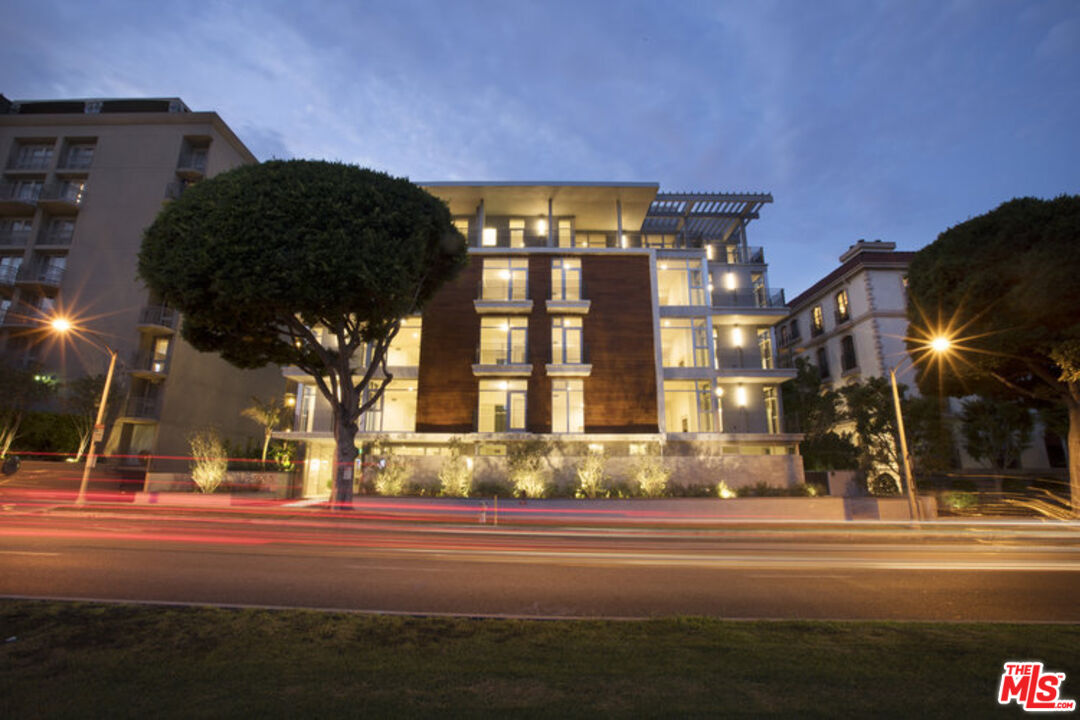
[80, 660]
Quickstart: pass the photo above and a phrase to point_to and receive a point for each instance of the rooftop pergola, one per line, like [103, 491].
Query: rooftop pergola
[702, 215]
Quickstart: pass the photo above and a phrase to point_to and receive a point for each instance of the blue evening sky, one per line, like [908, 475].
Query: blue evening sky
[891, 120]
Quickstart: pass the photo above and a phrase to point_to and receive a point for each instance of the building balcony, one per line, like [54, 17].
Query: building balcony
[14, 238]
[192, 164]
[8, 274]
[765, 298]
[570, 303]
[149, 365]
[502, 299]
[35, 163]
[19, 197]
[44, 278]
[56, 238]
[158, 320]
[141, 409]
[502, 362]
[64, 197]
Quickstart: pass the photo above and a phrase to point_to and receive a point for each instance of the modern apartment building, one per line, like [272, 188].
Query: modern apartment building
[80, 181]
[598, 316]
[851, 325]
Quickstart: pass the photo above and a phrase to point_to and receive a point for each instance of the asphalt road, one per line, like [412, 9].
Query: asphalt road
[355, 564]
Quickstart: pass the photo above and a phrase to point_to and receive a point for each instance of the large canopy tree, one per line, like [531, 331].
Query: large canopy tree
[1005, 287]
[304, 263]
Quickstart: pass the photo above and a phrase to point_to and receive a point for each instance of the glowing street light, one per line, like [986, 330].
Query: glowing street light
[938, 345]
[63, 326]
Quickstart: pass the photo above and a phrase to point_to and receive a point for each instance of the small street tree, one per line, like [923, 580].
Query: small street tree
[304, 263]
[1003, 286]
[81, 402]
[816, 411]
[996, 431]
[270, 414]
[20, 389]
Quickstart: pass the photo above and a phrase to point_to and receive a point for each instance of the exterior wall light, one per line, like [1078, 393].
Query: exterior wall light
[740, 396]
[541, 227]
[729, 280]
[736, 336]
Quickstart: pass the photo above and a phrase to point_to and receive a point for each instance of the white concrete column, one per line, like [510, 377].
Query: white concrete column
[618, 222]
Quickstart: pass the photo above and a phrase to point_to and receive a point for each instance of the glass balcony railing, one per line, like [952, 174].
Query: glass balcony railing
[749, 298]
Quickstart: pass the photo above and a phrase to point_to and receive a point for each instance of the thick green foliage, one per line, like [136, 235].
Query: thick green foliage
[243, 253]
[996, 431]
[1006, 284]
[815, 410]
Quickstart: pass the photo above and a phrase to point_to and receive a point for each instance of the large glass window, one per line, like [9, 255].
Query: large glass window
[684, 342]
[79, 156]
[395, 411]
[688, 406]
[505, 279]
[566, 279]
[517, 232]
[681, 282]
[566, 233]
[764, 340]
[404, 351]
[567, 406]
[566, 342]
[848, 361]
[772, 410]
[502, 405]
[842, 310]
[503, 340]
[34, 157]
[817, 321]
[59, 231]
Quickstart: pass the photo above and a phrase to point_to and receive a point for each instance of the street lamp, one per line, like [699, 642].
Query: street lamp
[63, 326]
[939, 344]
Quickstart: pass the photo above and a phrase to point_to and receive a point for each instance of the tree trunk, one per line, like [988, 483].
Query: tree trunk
[1074, 455]
[345, 453]
[266, 445]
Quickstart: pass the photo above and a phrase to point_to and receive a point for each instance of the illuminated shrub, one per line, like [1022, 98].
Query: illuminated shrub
[722, 490]
[525, 463]
[209, 459]
[391, 476]
[590, 475]
[651, 477]
[456, 473]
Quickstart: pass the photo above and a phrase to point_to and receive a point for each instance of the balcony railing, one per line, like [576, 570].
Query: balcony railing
[34, 162]
[142, 407]
[41, 275]
[502, 355]
[14, 238]
[159, 315]
[148, 361]
[8, 273]
[56, 237]
[569, 357]
[569, 295]
[192, 161]
[20, 192]
[749, 298]
[64, 193]
[502, 291]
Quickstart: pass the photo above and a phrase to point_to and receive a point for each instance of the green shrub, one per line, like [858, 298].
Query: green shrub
[883, 485]
[489, 487]
[723, 491]
[959, 500]
[651, 477]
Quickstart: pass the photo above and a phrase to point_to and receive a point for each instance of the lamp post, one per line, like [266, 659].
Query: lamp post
[938, 345]
[62, 326]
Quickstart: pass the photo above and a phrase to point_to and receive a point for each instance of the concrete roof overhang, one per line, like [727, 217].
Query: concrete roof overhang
[592, 204]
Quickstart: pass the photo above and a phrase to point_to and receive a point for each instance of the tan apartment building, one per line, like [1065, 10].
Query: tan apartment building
[603, 317]
[80, 181]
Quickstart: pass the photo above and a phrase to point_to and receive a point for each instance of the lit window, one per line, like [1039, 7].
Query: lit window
[684, 342]
[566, 233]
[517, 232]
[566, 279]
[681, 282]
[394, 411]
[489, 237]
[764, 340]
[567, 406]
[462, 225]
[842, 306]
[566, 341]
[772, 410]
[503, 341]
[688, 406]
[502, 405]
[504, 279]
[404, 351]
[817, 321]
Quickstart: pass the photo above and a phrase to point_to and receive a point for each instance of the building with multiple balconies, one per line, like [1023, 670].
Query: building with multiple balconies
[598, 316]
[80, 181]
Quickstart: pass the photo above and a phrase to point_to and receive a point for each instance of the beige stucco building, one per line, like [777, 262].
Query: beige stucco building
[81, 180]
